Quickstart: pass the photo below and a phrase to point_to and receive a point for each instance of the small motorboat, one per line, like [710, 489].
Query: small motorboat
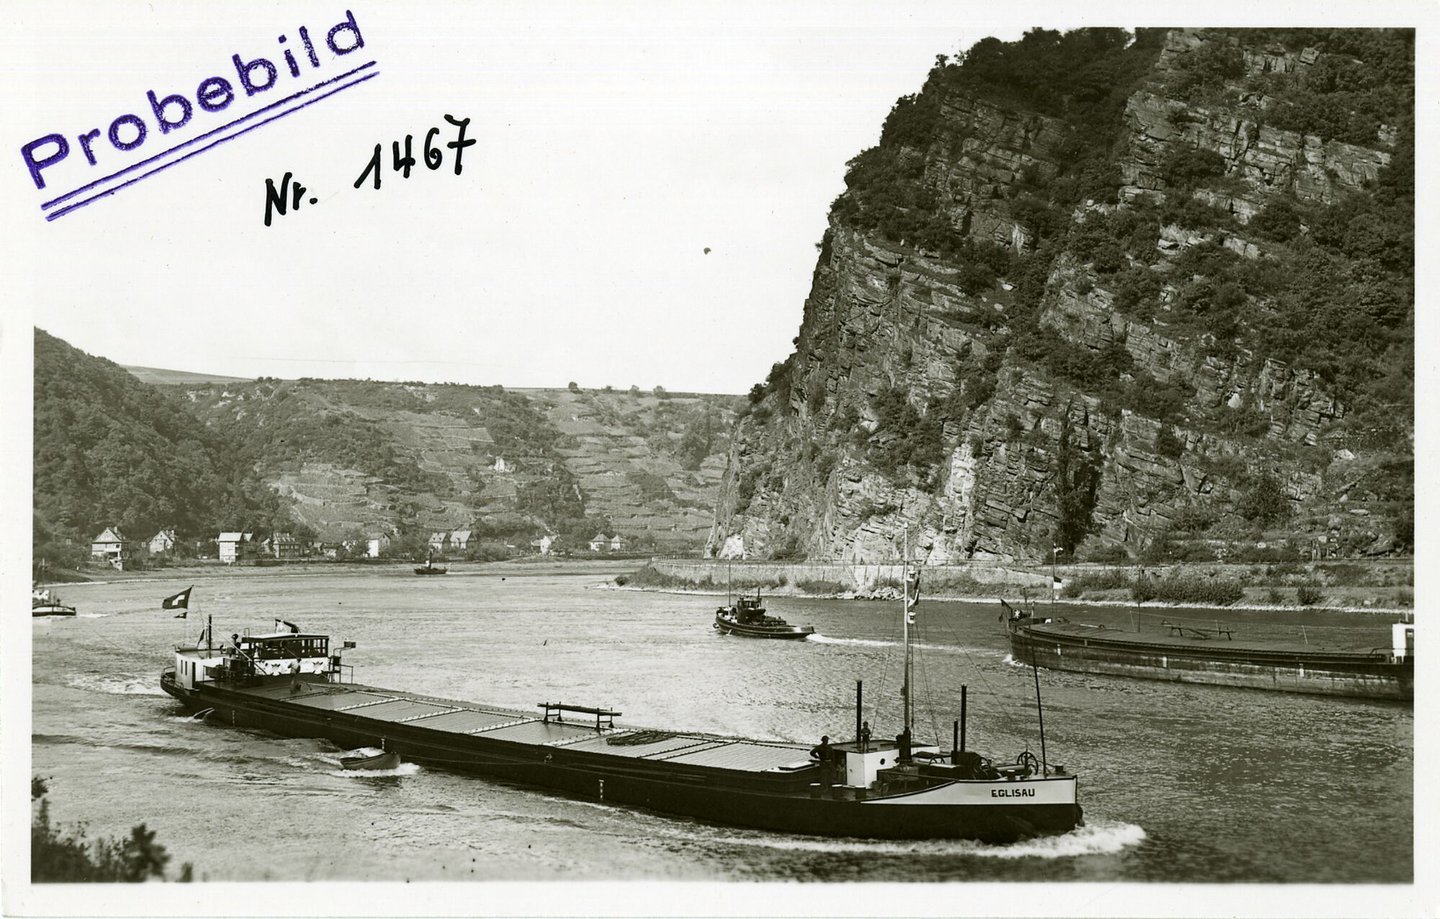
[44, 602]
[747, 617]
[430, 567]
[378, 762]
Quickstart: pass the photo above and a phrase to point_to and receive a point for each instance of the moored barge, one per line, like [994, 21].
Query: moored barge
[1214, 656]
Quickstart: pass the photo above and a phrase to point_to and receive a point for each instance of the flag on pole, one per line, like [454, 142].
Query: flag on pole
[180, 601]
[912, 594]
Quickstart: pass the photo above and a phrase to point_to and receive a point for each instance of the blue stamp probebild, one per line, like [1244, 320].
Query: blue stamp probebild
[308, 64]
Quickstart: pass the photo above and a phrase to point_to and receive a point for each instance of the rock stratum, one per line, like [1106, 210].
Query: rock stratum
[1140, 296]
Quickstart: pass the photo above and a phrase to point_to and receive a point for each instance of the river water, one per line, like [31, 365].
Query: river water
[1180, 783]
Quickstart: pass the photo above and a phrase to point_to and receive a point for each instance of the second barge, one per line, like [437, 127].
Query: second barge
[1193, 655]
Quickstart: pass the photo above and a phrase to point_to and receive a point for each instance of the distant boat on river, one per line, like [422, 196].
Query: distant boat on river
[747, 617]
[430, 567]
[45, 602]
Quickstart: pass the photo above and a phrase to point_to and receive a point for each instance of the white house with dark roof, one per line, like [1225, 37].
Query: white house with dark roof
[229, 546]
[111, 546]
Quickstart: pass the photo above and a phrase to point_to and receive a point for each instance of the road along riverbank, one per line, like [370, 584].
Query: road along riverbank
[1382, 586]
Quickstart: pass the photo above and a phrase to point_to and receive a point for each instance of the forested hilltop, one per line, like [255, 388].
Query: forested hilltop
[338, 461]
[112, 451]
[1132, 296]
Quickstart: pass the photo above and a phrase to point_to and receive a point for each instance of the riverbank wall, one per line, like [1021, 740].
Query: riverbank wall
[849, 577]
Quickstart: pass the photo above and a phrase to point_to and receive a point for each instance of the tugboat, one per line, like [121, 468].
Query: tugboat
[747, 617]
[293, 683]
[430, 567]
[44, 602]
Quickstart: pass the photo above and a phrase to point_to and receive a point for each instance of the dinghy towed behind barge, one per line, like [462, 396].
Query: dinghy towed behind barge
[292, 683]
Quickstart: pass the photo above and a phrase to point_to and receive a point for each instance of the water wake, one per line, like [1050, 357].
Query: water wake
[402, 769]
[886, 643]
[117, 686]
[862, 642]
[1101, 838]
[1096, 838]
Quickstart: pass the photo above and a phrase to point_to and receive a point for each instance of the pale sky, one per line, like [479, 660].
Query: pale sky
[615, 143]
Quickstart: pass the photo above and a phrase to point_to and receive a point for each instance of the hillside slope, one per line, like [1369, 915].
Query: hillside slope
[1148, 298]
[112, 451]
[362, 456]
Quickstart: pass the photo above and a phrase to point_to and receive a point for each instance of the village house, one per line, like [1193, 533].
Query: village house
[598, 542]
[162, 542]
[231, 546]
[459, 539]
[112, 546]
[543, 544]
[616, 543]
[374, 545]
[282, 545]
[437, 541]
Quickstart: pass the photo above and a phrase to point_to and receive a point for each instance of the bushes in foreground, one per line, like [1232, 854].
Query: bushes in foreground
[57, 856]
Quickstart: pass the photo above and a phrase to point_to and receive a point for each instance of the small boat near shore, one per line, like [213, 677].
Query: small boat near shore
[45, 602]
[1188, 654]
[430, 567]
[747, 617]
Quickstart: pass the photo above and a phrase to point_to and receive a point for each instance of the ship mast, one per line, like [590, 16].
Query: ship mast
[905, 595]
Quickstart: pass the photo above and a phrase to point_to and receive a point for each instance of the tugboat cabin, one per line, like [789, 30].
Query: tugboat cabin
[247, 658]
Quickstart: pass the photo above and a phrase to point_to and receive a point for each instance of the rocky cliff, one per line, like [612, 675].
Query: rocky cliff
[1158, 306]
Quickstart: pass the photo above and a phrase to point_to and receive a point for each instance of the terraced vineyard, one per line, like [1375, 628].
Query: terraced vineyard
[361, 457]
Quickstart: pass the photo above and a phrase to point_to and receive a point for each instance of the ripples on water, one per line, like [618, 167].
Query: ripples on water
[1179, 783]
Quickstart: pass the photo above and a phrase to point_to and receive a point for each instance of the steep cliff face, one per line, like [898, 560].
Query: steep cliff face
[1093, 329]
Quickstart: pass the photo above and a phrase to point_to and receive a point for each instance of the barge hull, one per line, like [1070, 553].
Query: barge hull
[794, 801]
[1251, 670]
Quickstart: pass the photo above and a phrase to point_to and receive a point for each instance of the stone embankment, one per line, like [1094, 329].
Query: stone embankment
[850, 577]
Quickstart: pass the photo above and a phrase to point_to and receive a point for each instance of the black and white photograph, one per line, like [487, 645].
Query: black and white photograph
[643, 459]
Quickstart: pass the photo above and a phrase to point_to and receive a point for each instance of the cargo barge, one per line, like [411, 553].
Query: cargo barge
[293, 684]
[1214, 656]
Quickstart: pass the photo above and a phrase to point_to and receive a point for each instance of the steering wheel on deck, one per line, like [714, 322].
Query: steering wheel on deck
[1029, 761]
